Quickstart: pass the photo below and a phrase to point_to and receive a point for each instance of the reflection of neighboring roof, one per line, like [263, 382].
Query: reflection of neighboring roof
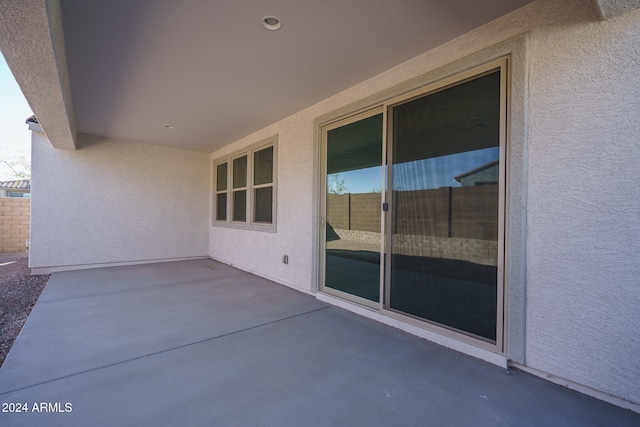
[23, 184]
[476, 170]
[32, 119]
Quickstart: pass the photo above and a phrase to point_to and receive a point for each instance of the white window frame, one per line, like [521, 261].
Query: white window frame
[250, 223]
[231, 203]
[217, 192]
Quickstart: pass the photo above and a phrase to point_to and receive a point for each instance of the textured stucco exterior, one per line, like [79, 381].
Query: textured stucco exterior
[40, 68]
[116, 201]
[261, 252]
[583, 288]
[574, 201]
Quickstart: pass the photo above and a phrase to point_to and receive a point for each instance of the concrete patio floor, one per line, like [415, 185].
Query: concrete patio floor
[199, 343]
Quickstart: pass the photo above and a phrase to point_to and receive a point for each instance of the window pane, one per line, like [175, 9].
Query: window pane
[354, 197]
[240, 172]
[444, 247]
[263, 204]
[263, 166]
[221, 207]
[240, 205]
[221, 177]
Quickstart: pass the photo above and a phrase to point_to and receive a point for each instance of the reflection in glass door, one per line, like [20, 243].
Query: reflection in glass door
[352, 208]
[445, 179]
[442, 183]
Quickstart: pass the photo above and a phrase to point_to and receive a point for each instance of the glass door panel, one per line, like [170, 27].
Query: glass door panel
[445, 179]
[353, 203]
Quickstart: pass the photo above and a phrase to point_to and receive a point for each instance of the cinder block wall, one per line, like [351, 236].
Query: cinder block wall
[14, 224]
[359, 211]
[338, 208]
[365, 212]
[462, 212]
[455, 223]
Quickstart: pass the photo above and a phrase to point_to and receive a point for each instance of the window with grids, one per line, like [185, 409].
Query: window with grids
[244, 188]
[221, 192]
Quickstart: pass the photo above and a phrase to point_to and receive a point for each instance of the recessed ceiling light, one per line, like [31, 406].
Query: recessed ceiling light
[168, 127]
[271, 23]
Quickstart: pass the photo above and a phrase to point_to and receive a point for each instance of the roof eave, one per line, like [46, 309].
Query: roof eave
[32, 41]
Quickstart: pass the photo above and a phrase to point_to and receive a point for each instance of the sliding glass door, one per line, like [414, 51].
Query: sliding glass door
[444, 231]
[418, 232]
[353, 196]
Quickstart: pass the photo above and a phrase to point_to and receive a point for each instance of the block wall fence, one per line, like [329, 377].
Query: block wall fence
[14, 224]
[454, 223]
[461, 212]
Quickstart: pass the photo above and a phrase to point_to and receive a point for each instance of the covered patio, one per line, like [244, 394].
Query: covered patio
[202, 343]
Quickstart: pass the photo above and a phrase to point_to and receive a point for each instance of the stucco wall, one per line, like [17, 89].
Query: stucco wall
[583, 229]
[116, 201]
[583, 296]
[261, 252]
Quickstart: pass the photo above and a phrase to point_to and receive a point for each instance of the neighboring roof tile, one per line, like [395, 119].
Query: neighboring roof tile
[23, 184]
[32, 119]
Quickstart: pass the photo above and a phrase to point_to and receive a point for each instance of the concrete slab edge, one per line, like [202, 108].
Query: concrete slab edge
[580, 388]
[468, 349]
[48, 270]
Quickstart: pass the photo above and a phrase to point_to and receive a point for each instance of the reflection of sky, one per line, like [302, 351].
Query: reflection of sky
[420, 174]
[362, 180]
[439, 171]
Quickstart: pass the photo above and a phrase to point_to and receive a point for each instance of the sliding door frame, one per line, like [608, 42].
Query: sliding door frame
[386, 108]
[326, 128]
[502, 66]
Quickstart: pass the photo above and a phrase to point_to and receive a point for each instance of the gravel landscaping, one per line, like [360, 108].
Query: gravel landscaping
[19, 291]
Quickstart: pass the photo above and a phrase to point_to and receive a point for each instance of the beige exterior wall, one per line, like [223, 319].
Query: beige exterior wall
[113, 202]
[14, 224]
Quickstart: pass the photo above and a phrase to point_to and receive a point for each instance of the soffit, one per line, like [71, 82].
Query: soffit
[210, 70]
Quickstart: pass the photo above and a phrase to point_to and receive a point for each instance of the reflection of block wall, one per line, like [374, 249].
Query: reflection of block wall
[474, 212]
[422, 212]
[461, 212]
[365, 212]
[354, 211]
[483, 252]
[14, 224]
[338, 210]
[359, 236]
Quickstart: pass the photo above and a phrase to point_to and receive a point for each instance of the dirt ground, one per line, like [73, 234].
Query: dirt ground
[19, 291]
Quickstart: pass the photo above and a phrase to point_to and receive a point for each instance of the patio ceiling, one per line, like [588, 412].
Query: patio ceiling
[129, 69]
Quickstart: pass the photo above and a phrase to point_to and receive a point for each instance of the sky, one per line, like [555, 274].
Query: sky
[15, 136]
